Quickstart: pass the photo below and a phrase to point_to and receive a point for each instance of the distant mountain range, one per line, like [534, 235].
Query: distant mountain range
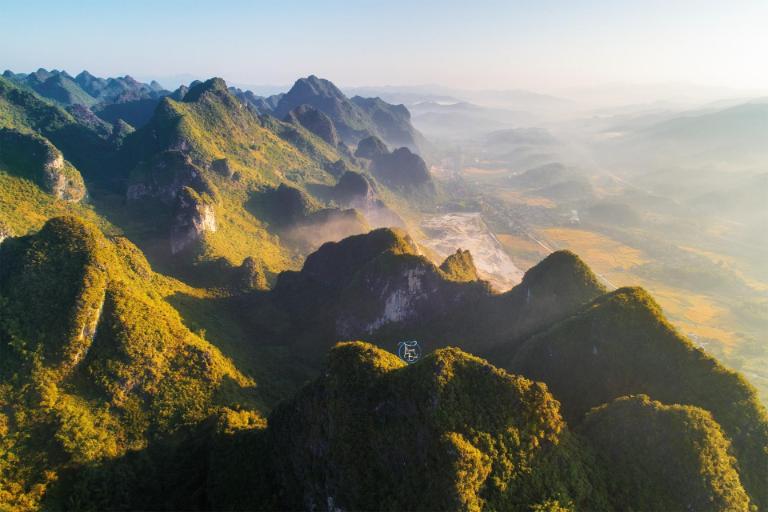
[134, 102]
[737, 135]
[355, 118]
[511, 99]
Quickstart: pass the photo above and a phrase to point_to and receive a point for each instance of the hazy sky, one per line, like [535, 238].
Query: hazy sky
[537, 44]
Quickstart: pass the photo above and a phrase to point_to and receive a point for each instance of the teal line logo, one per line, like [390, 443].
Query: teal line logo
[409, 351]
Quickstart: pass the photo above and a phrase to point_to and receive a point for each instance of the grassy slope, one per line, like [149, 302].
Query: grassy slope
[24, 206]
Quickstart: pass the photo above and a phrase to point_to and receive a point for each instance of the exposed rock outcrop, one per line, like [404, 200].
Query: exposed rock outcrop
[34, 157]
[5, 232]
[459, 266]
[166, 175]
[193, 218]
[378, 286]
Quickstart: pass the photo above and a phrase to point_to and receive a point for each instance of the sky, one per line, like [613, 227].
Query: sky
[480, 44]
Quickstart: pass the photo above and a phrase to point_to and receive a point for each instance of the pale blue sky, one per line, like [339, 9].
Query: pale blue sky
[479, 44]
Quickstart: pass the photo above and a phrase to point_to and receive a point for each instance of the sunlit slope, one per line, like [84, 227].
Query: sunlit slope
[621, 344]
[231, 157]
[708, 287]
[210, 126]
[663, 457]
[22, 110]
[94, 361]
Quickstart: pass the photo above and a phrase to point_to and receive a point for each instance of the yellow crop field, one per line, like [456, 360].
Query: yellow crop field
[514, 196]
[601, 252]
[480, 171]
[731, 263]
[695, 314]
[700, 316]
[524, 251]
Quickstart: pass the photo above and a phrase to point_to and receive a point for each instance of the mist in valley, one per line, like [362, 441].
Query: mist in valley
[664, 187]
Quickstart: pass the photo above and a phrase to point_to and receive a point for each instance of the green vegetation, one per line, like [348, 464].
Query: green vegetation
[423, 437]
[459, 266]
[34, 157]
[94, 362]
[22, 110]
[450, 432]
[621, 344]
[355, 118]
[128, 409]
[261, 153]
[379, 287]
[662, 457]
[24, 206]
[404, 171]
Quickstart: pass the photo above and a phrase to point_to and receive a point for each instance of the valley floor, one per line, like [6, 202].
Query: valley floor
[703, 275]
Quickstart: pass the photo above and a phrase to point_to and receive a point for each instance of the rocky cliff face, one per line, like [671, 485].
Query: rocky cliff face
[378, 287]
[34, 157]
[194, 217]
[396, 290]
[460, 266]
[165, 176]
